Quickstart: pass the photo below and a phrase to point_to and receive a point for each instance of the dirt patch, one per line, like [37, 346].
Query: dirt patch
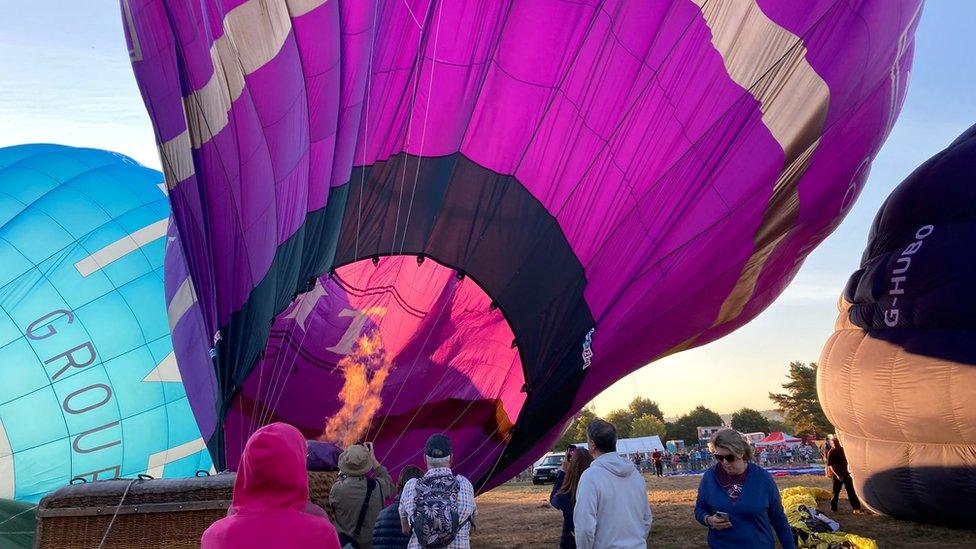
[518, 515]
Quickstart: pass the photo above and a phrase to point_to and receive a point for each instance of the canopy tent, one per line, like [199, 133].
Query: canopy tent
[779, 438]
[631, 446]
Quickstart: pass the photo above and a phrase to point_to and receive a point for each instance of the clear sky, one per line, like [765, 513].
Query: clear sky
[66, 79]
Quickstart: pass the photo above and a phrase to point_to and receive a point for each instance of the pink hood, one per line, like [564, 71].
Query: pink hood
[272, 472]
[270, 493]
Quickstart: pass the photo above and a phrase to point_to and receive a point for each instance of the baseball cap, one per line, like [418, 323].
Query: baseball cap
[438, 446]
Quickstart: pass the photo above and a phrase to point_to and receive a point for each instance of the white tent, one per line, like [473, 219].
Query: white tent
[630, 446]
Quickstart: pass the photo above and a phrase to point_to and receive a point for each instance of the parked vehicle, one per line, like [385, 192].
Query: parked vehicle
[546, 471]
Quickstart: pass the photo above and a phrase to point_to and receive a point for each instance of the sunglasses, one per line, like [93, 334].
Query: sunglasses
[729, 458]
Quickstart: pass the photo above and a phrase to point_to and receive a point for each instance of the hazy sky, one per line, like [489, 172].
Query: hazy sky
[66, 79]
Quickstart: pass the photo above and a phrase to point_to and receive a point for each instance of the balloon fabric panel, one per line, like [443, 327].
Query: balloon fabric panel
[621, 181]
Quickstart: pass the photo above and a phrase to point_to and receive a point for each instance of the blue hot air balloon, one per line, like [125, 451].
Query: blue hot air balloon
[89, 386]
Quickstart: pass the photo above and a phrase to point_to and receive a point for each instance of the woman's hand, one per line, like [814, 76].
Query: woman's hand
[717, 523]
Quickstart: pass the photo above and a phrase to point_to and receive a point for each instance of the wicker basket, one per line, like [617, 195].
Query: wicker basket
[164, 513]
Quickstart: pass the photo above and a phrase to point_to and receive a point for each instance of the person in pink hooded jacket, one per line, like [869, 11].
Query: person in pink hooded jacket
[270, 494]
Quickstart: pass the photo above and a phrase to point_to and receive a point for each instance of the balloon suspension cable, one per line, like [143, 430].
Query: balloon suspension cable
[417, 69]
[310, 284]
[118, 507]
[12, 517]
[287, 371]
[423, 133]
[396, 396]
[266, 414]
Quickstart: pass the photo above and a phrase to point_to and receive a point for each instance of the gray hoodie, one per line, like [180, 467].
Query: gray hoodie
[612, 511]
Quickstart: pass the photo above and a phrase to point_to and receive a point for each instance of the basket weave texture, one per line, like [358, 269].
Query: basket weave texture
[157, 513]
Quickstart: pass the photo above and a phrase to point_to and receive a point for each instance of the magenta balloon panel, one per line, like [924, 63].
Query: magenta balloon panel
[472, 217]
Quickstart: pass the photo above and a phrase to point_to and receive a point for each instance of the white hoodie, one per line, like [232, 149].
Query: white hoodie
[612, 511]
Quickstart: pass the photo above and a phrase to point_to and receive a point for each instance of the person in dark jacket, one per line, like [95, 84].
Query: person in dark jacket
[738, 500]
[837, 470]
[387, 532]
[561, 475]
[563, 495]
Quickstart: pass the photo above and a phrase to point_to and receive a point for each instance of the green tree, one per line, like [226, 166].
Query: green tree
[576, 431]
[748, 420]
[800, 402]
[686, 427]
[648, 425]
[671, 431]
[641, 406]
[622, 420]
[704, 417]
[776, 425]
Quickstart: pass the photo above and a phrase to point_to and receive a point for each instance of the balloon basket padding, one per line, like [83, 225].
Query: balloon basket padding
[155, 513]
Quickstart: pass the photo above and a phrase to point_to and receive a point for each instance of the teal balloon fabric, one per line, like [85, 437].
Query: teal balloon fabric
[89, 387]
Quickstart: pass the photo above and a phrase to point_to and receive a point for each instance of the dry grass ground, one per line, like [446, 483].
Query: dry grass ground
[518, 515]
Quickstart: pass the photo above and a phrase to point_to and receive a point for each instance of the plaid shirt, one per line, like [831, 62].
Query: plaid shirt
[465, 501]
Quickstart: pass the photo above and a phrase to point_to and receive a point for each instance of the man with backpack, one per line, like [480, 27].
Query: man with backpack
[357, 498]
[438, 509]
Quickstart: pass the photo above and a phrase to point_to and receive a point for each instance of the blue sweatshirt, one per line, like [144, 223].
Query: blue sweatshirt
[754, 516]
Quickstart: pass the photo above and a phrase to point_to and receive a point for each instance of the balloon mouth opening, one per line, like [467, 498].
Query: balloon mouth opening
[389, 349]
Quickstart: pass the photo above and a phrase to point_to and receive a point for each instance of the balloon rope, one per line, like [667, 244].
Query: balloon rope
[423, 133]
[507, 442]
[12, 517]
[277, 367]
[369, 93]
[281, 392]
[417, 69]
[257, 393]
[278, 375]
[499, 460]
[474, 452]
[116, 513]
[446, 429]
[430, 331]
[410, 11]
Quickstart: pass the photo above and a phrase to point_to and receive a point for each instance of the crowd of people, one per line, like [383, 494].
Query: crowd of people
[786, 455]
[698, 458]
[694, 459]
[602, 496]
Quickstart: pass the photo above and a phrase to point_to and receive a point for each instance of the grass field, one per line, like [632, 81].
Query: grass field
[518, 515]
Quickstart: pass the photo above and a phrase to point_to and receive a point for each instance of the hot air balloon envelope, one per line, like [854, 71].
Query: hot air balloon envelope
[422, 216]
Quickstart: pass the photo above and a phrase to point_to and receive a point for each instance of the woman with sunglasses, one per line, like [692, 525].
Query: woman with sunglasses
[738, 500]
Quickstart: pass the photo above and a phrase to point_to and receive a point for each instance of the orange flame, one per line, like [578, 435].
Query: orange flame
[365, 370]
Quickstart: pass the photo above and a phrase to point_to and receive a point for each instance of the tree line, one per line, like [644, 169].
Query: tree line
[643, 417]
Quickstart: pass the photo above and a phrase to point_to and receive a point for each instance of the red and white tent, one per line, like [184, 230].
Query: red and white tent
[779, 438]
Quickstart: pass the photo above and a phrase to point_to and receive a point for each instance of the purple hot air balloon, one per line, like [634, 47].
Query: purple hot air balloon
[401, 218]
